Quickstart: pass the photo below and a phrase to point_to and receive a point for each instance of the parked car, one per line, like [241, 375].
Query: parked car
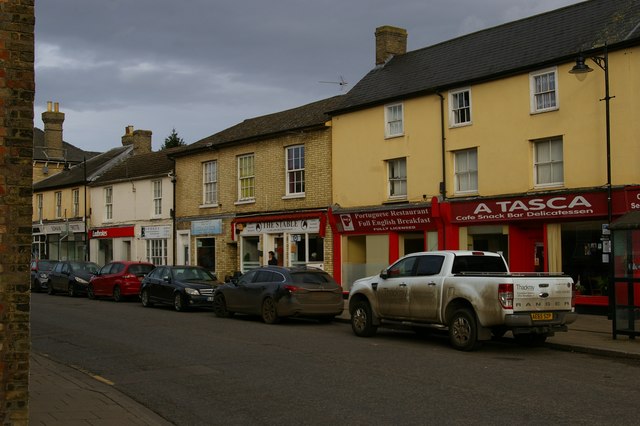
[71, 276]
[40, 274]
[274, 292]
[118, 279]
[184, 287]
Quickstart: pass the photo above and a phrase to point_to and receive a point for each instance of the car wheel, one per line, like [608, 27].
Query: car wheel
[144, 298]
[91, 294]
[362, 319]
[35, 286]
[220, 306]
[463, 330]
[117, 295]
[179, 303]
[71, 290]
[269, 311]
[50, 289]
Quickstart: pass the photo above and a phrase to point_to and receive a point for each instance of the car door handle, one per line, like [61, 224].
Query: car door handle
[402, 285]
[431, 283]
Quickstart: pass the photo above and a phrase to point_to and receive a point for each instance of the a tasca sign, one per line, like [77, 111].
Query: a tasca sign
[554, 207]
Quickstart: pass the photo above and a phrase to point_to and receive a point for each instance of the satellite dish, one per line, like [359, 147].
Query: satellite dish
[341, 83]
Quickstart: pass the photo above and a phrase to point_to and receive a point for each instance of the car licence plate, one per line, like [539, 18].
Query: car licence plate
[210, 299]
[542, 316]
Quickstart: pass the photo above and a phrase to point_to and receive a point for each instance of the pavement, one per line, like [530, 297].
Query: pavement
[67, 395]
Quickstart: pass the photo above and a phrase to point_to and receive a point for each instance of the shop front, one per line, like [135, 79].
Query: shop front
[59, 241]
[108, 244]
[559, 232]
[295, 239]
[368, 240]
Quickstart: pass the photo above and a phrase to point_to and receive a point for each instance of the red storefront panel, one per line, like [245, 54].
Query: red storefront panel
[123, 231]
[384, 221]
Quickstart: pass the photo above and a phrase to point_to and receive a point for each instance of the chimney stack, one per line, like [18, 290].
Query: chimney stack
[140, 139]
[53, 119]
[390, 41]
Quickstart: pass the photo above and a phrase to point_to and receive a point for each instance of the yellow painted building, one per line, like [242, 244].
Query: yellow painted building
[488, 142]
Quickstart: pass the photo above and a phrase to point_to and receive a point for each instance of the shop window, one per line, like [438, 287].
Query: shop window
[582, 257]
[206, 253]
[250, 253]
[157, 251]
[306, 248]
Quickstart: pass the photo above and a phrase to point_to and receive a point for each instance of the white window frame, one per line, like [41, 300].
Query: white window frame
[108, 203]
[394, 179]
[246, 178]
[295, 170]
[466, 171]
[157, 251]
[210, 183]
[458, 112]
[543, 87]
[394, 120]
[156, 194]
[58, 204]
[549, 161]
[75, 196]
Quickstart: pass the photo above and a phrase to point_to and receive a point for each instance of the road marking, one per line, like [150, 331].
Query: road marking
[102, 379]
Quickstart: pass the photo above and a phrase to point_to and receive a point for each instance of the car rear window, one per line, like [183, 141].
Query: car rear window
[478, 264]
[311, 277]
[140, 269]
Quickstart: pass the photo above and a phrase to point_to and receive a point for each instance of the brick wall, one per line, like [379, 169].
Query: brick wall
[270, 187]
[16, 151]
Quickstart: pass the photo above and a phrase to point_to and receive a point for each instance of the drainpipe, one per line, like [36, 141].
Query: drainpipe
[443, 183]
[174, 179]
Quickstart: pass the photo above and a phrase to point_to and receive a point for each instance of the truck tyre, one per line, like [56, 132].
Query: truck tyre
[463, 330]
[362, 319]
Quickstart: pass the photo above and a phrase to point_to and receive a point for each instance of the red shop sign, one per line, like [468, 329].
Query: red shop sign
[414, 219]
[550, 207]
[123, 231]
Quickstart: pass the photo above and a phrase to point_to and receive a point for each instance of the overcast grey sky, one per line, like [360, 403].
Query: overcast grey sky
[200, 66]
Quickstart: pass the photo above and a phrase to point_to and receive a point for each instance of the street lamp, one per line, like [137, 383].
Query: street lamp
[581, 68]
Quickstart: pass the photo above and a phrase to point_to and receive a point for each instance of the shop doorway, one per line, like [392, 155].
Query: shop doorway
[411, 243]
[582, 257]
[206, 253]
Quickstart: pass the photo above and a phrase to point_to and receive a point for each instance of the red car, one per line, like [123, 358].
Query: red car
[118, 279]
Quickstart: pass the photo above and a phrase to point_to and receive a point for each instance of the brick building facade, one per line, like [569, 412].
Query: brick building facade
[17, 89]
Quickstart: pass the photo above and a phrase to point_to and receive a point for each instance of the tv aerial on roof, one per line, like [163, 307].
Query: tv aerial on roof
[341, 83]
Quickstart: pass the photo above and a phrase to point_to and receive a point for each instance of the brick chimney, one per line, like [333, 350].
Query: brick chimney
[140, 139]
[390, 41]
[53, 119]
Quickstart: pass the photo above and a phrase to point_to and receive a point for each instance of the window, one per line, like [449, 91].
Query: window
[75, 195]
[210, 183]
[548, 163]
[157, 197]
[397, 178]
[39, 206]
[394, 121]
[466, 171]
[108, 204]
[295, 170]
[246, 178]
[460, 107]
[543, 91]
[306, 248]
[157, 251]
[58, 198]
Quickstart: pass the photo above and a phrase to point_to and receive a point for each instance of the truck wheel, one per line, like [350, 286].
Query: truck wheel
[463, 330]
[362, 319]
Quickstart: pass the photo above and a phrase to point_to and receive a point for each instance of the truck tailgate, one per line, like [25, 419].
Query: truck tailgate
[544, 294]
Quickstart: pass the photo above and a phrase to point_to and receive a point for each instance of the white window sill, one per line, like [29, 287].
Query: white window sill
[399, 135]
[248, 201]
[294, 196]
[208, 206]
[396, 200]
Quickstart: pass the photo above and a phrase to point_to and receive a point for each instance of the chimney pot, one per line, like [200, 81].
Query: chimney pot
[390, 41]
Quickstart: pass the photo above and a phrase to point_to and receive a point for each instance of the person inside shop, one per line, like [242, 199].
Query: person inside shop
[272, 258]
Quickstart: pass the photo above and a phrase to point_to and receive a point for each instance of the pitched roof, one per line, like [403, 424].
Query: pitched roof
[72, 154]
[542, 40]
[295, 119]
[139, 166]
[95, 166]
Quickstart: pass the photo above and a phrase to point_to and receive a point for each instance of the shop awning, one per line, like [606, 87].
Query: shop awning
[629, 220]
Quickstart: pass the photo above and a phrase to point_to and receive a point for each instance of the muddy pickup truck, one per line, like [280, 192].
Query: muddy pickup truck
[471, 293]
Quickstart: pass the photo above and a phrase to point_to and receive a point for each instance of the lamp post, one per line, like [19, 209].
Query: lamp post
[582, 68]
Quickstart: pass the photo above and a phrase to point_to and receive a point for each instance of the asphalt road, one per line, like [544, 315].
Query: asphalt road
[195, 369]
